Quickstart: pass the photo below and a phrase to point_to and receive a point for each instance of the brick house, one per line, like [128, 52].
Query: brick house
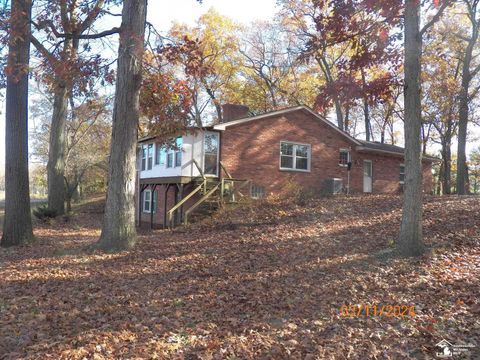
[272, 153]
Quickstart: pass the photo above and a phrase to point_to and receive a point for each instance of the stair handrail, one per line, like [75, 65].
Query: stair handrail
[200, 201]
[236, 188]
[199, 169]
[183, 201]
[225, 170]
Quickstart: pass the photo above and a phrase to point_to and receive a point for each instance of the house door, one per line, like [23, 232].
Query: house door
[367, 176]
[211, 152]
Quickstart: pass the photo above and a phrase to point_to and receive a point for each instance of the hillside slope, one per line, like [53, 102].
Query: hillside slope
[261, 281]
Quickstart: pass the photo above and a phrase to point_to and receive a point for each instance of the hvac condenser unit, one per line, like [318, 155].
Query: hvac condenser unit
[332, 186]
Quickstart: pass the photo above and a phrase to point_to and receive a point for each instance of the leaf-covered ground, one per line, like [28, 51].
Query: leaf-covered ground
[260, 282]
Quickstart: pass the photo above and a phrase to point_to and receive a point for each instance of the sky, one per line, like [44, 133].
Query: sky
[162, 13]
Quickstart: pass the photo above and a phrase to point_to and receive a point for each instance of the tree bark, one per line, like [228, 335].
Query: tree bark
[446, 174]
[56, 153]
[462, 138]
[410, 241]
[17, 228]
[366, 110]
[118, 231]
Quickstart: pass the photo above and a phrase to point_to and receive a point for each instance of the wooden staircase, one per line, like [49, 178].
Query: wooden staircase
[214, 193]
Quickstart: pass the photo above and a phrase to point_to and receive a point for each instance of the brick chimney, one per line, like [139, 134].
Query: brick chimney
[232, 112]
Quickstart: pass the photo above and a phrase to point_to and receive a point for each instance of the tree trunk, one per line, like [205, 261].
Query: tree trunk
[410, 241]
[118, 231]
[463, 106]
[56, 153]
[366, 111]
[347, 119]
[339, 112]
[17, 228]
[462, 138]
[446, 166]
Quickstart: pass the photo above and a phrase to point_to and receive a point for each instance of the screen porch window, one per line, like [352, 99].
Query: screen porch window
[170, 156]
[294, 156]
[211, 154]
[160, 155]
[344, 157]
[402, 173]
[149, 199]
[178, 152]
[144, 157]
[149, 156]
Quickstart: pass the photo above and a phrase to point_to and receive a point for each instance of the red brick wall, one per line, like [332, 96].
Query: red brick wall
[160, 197]
[251, 151]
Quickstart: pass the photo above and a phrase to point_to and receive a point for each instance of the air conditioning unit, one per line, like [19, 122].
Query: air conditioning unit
[332, 186]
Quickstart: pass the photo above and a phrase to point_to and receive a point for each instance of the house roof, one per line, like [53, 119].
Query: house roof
[223, 126]
[371, 146]
[362, 145]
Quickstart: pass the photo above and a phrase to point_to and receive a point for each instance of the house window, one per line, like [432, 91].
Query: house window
[402, 173]
[294, 156]
[344, 157]
[160, 155]
[144, 157]
[170, 159]
[257, 192]
[178, 152]
[211, 154]
[149, 157]
[147, 201]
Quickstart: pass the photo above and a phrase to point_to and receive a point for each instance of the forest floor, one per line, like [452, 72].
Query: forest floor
[265, 281]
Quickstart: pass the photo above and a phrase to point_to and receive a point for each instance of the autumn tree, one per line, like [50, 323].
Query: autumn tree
[353, 44]
[118, 231]
[67, 69]
[441, 86]
[87, 139]
[206, 54]
[165, 99]
[267, 62]
[17, 229]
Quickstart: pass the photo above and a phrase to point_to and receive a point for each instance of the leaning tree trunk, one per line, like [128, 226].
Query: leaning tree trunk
[17, 228]
[56, 153]
[118, 230]
[410, 241]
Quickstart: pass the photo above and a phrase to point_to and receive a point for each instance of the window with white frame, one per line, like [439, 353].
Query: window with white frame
[149, 199]
[170, 156]
[144, 157]
[147, 157]
[344, 157]
[402, 173]
[178, 152]
[160, 155]
[294, 156]
[211, 148]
